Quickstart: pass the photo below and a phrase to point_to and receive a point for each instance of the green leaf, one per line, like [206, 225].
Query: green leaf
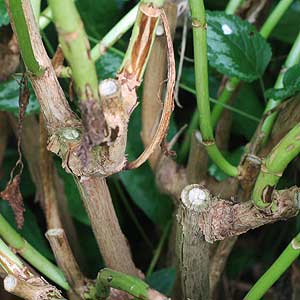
[235, 48]
[4, 19]
[75, 204]
[108, 65]
[291, 85]
[140, 183]
[9, 98]
[162, 280]
[289, 25]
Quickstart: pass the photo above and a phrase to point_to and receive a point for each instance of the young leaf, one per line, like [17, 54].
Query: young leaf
[4, 19]
[235, 48]
[9, 98]
[291, 85]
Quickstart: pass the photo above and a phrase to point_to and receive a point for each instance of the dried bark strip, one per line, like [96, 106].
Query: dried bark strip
[168, 103]
[153, 83]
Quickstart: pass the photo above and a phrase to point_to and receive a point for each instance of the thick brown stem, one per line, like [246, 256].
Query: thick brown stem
[223, 219]
[111, 241]
[192, 249]
[154, 83]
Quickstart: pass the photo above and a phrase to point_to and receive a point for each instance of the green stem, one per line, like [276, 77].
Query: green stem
[292, 59]
[265, 31]
[108, 278]
[194, 122]
[225, 96]
[30, 254]
[275, 17]
[159, 249]
[21, 28]
[288, 256]
[75, 46]
[9, 259]
[274, 165]
[232, 6]
[45, 18]
[185, 146]
[115, 33]
[202, 94]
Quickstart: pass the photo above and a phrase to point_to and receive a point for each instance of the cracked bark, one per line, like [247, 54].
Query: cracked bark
[223, 218]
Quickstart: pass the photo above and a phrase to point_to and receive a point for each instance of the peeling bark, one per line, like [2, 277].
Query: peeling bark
[223, 218]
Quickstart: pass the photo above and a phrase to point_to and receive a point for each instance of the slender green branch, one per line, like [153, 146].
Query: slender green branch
[232, 6]
[159, 249]
[292, 59]
[45, 18]
[75, 46]
[114, 34]
[283, 262]
[233, 83]
[184, 149]
[202, 94]
[106, 42]
[15, 7]
[194, 122]
[274, 165]
[16, 241]
[275, 17]
[225, 96]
